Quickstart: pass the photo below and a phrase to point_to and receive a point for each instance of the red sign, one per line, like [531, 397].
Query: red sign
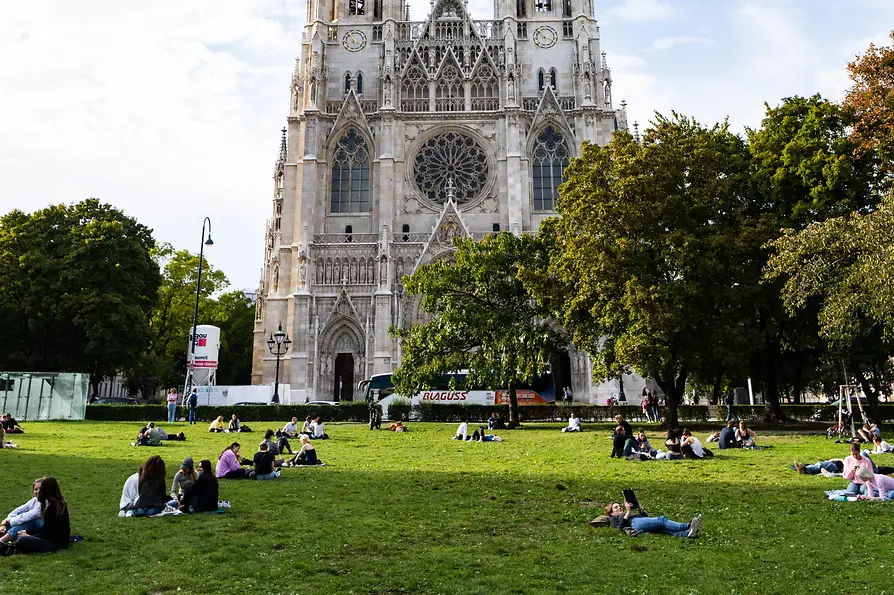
[203, 341]
[204, 364]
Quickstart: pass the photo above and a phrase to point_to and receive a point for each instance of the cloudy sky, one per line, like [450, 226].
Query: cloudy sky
[171, 109]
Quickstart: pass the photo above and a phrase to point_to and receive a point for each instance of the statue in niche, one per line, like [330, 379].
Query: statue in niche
[275, 277]
[369, 271]
[387, 92]
[383, 270]
[259, 307]
[510, 89]
[588, 87]
[431, 59]
[302, 271]
[608, 93]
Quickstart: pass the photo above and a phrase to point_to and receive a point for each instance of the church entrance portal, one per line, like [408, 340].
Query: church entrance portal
[343, 386]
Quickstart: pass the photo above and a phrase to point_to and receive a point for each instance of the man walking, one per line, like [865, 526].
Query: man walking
[193, 403]
[730, 403]
[172, 405]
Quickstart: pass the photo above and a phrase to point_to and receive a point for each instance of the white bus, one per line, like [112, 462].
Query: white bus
[379, 388]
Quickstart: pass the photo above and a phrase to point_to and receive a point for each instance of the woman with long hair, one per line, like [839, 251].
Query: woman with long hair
[24, 518]
[56, 530]
[634, 521]
[151, 487]
[228, 464]
[185, 476]
[306, 456]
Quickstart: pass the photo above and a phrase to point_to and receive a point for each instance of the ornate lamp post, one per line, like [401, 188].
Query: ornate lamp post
[278, 344]
[195, 312]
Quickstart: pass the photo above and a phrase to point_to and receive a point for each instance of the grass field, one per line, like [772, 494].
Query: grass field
[420, 513]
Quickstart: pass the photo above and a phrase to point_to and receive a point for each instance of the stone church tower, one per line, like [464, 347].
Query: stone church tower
[400, 136]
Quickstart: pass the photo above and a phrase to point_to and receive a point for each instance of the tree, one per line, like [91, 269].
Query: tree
[76, 286]
[171, 317]
[236, 318]
[845, 265]
[805, 169]
[870, 103]
[649, 252]
[482, 318]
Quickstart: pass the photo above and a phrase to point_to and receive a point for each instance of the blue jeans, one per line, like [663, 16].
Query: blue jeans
[193, 414]
[266, 476]
[147, 511]
[172, 412]
[731, 413]
[856, 488]
[660, 524]
[815, 468]
[32, 525]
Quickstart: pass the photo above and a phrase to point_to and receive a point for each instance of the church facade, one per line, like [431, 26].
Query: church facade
[402, 135]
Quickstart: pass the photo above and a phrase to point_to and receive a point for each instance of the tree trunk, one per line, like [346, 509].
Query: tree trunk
[673, 395]
[798, 381]
[513, 406]
[772, 409]
[715, 394]
[870, 392]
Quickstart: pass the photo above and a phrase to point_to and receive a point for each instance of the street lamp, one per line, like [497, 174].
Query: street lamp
[195, 312]
[278, 344]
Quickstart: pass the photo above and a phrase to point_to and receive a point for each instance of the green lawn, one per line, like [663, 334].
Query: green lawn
[420, 513]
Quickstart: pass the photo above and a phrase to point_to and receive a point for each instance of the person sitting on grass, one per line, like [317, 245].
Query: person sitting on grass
[692, 447]
[492, 420]
[829, 468]
[866, 432]
[149, 436]
[151, 487]
[643, 446]
[290, 430]
[3, 442]
[55, 531]
[621, 421]
[462, 432]
[305, 427]
[306, 456]
[573, 423]
[855, 460]
[745, 437]
[318, 430]
[235, 426]
[129, 495]
[263, 461]
[202, 494]
[277, 445]
[881, 446]
[24, 518]
[878, 486]
[674, 450]
[728, 436]
[622, 442]
[11, 426]
[218, 425]
[228, 464]
[184, 477]
[637, 522]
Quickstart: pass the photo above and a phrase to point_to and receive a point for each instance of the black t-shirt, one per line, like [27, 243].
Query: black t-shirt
[628, 431]
[202, 494]
[263, 462]
[10, 424]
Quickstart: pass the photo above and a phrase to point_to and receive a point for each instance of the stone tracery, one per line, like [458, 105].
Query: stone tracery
[450, 158]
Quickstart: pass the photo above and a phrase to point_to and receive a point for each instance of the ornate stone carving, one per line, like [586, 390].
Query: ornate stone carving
[450, 158]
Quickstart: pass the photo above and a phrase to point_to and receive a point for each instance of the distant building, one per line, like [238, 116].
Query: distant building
[402, 135]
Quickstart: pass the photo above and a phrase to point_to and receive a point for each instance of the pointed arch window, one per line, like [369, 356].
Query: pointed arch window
[549, 159]
[359, 83]
[347, 82]
[543, 5]
[414, 92]
[350, 175]
[553, 77]
[540, 83]
[485, 89]
[356, 7]
[450, 93]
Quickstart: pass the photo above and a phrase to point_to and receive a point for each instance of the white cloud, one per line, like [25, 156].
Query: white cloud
[666, 43]
[639, 11]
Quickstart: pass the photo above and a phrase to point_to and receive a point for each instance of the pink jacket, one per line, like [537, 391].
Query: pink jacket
[851, 464]
[226, 463]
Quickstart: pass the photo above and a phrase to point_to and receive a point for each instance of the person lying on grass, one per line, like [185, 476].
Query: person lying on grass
[481, 435]
[55, 530]
[462, 432]
[263, 463]
[228, 464]
[202, 494]
[880, 446]
[692, 447]
[153, 476]
[637, 522]
[878, 486]
[24, 518]
[829, 468]
[217, 425]
[573, 423]
[306, 456]
[397, 426]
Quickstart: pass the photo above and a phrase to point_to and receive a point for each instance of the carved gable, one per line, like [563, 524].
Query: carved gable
[351, 114]
[549, 111]
[449, 226]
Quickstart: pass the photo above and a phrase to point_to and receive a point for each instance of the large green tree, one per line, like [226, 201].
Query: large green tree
[77, 283]
[805, 169]
[650, 252]
[482, 318]
[163, 362]
[235, 315]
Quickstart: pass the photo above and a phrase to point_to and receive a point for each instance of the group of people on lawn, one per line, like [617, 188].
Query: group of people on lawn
[9, 425]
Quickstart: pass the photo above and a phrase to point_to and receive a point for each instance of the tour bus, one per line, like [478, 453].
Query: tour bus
[379, 388]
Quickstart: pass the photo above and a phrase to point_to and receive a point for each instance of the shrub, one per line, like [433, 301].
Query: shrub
[350, 411]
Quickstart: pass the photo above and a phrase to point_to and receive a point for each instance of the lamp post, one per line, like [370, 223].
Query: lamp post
[195, 312]
[278, 344]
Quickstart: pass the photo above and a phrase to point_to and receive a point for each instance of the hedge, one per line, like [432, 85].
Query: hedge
[356, 411]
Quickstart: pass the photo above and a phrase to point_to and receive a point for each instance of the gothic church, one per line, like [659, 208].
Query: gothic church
[402, 135]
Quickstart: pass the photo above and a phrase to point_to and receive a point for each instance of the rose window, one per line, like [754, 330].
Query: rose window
[450, 161]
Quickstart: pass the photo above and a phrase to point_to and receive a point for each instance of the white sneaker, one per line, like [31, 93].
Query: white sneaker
[694, 526]
[121, 514]
[129, 513]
